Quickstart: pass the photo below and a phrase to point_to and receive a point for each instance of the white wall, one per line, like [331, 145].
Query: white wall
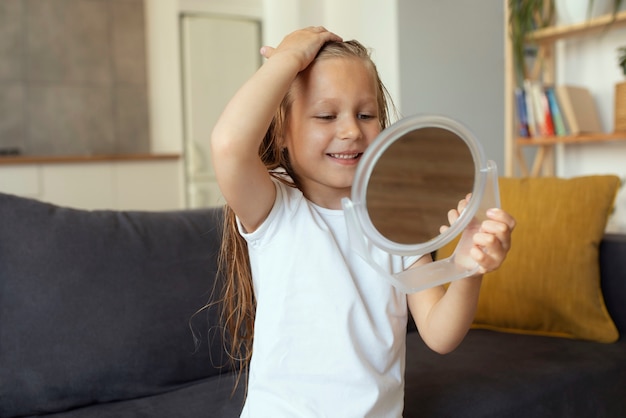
[164, 79]
[591, 61]
[452, 62]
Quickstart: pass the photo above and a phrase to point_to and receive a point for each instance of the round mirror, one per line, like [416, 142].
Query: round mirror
[414, 172]
[416, 181]
[407, 181]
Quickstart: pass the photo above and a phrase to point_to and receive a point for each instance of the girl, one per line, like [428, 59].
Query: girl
[322, 334]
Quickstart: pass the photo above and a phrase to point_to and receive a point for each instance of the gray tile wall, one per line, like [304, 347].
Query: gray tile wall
[73, 78]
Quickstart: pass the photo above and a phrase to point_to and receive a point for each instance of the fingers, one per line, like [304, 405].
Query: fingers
[267, 51]
[493, 241]
[316, 28]
[500, 215]
[500, 224]
[324, 32]
[305, 43]
[453, 214]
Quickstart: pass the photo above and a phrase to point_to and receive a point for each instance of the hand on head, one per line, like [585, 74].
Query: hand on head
[303, 43]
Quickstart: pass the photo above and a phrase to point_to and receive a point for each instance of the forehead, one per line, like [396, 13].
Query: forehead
[332, 75]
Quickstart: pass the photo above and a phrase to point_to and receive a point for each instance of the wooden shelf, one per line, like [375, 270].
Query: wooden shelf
[554, 33]
[543, 163]
[571, 139]
[543, 157]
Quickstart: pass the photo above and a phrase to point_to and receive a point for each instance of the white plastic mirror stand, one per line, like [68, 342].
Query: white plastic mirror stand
[362, 234]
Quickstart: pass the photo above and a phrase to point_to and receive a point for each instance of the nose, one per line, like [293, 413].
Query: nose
[349, 128]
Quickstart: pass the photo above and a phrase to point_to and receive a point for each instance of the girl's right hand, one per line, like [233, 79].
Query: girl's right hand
[304, 44]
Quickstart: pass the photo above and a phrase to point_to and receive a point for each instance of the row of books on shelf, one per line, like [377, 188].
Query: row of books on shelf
[559, 110]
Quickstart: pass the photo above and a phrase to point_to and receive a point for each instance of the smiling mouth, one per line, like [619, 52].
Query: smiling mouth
[352, 156]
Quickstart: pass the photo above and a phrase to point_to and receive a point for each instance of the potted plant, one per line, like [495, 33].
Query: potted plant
[524, 17]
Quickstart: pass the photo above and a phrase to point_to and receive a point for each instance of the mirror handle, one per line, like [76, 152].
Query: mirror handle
[412, 279]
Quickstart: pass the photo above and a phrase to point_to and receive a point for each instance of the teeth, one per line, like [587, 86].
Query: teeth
[345, 156]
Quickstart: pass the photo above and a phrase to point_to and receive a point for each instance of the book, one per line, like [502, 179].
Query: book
[522, 120]
[530, 112]
[578, 109]
[560, 129]
[543, 118]
[538, 113]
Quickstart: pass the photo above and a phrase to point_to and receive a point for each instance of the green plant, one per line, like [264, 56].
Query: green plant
[524, 17]
[621, 58]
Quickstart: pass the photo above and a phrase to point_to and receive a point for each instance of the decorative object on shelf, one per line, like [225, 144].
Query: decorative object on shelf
[579, 109]
[620, 94]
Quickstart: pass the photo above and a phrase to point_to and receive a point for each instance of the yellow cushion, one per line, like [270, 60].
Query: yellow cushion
[550, 282]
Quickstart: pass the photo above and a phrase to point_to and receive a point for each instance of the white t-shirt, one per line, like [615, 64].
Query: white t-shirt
[330, 333]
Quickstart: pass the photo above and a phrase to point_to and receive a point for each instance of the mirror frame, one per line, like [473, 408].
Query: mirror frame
[369, 159]
[485, 195]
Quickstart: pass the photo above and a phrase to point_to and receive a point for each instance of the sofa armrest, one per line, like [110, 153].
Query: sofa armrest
[97, 306]
[613, 273]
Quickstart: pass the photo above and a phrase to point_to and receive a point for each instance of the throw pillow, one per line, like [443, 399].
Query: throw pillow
[550, 282]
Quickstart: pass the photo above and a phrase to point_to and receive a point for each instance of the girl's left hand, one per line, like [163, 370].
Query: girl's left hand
[491, 238]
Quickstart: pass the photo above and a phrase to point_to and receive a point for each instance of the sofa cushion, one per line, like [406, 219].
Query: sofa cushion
[496, 375]
[550, 281]
[96, 306]
[211, 397]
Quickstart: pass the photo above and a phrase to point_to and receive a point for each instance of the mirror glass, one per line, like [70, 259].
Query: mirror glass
[415, 182]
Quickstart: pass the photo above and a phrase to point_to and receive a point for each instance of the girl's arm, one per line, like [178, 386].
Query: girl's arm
[238, 133]
[443, 316]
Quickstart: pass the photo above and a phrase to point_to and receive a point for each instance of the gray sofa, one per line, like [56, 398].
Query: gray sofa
[97, 308]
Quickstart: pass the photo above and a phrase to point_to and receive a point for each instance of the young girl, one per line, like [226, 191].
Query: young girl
[323, 334]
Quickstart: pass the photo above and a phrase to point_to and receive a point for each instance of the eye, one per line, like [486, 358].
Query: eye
[366, 116]
[325, 117]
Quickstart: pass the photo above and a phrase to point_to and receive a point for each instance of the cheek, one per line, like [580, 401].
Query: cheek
[308, 143]
[371, 134]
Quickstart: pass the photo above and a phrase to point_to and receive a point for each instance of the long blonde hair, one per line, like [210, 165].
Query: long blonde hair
[238, 304]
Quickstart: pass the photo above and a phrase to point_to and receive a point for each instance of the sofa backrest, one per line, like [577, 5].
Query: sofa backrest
[613, 278]
[97, 305]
